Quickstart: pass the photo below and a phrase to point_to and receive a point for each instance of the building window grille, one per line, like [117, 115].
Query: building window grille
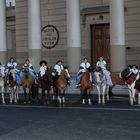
[10, 3]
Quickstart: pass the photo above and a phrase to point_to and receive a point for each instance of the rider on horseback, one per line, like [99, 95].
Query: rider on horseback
[43, 68]
[102, 63]
[28, 65]
[128, 72]
[10, 65]
[82, 68]
[31, 69]
[57, 70]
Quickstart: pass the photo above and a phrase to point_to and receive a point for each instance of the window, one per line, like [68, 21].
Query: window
[10, 3]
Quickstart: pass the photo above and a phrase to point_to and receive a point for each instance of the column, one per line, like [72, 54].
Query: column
[34, 32]
[117, 35]
[3, 45]
[73, 35]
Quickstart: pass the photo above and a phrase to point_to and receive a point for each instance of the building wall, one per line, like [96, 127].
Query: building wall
[91, 19]
[10, 28]
[21, 31]
[54, 12]
[132, 22]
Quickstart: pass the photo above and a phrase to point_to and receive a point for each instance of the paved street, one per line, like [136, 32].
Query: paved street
[116, 120]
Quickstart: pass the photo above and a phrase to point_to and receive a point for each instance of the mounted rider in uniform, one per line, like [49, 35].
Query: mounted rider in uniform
[57, 70]
[10, 65]
[43, 68]
[102, 64]
[82, 68]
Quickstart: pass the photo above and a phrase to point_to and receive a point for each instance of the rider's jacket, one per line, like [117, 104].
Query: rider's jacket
[42, 70]
[101, 64]
[11, 65]
[83, 66]
[57, 69]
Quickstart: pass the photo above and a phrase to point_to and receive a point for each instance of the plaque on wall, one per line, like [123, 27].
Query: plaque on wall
[50, 36]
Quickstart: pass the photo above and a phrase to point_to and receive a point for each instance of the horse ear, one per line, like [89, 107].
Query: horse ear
[66, 67]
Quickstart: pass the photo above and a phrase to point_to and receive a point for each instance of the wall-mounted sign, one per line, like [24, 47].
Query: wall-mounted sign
[50, 36]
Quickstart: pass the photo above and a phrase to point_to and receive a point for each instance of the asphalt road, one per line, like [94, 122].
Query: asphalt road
[116, 120]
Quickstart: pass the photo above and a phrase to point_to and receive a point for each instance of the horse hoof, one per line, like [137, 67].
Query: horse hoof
[103, 103]
[29, 102]
[99, 102]
[53, 98]
[44, 103]
[25, 102]
[83, 102]
[89, 101]
[48, 103]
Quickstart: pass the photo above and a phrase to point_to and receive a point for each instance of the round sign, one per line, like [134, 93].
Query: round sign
[50, 36]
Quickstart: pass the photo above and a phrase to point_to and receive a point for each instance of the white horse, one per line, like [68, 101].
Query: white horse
[133, 88]
[2, 69]
[12, 86]
[101, 85]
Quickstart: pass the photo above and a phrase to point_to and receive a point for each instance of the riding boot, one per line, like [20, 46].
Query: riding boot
[68, 82]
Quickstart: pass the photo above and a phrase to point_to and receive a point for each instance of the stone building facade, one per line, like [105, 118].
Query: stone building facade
[102, 31]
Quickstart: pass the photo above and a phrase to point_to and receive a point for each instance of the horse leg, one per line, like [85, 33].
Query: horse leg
[99, 94]
[29, 96]
[107, 94]
[83, 96]
[47, 96]
[17, 91]
[54, 93]
[88, 95]
[43, 96]
[58, 97]
[15, 94]
[25, 96]
[63, 98]
[131, 92]
[11, 95]
[110, 88]
[2, 94]
[103, 93]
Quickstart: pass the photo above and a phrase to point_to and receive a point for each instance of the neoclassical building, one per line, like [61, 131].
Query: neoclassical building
[71, 29]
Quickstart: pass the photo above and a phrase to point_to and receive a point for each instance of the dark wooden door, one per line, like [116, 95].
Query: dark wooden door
[100, 43]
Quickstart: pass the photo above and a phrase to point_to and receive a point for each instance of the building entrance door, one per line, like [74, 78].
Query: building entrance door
[100, 43]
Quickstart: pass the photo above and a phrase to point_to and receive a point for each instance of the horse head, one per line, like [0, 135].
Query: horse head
[48, 74]
[26, 71]
[12, 74]
[99, 77]
[65, 73]
[11, 82]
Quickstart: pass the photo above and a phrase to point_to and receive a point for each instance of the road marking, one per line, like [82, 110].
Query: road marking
[74, 108]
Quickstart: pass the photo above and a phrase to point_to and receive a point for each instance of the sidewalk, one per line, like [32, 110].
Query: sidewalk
[116, 90]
